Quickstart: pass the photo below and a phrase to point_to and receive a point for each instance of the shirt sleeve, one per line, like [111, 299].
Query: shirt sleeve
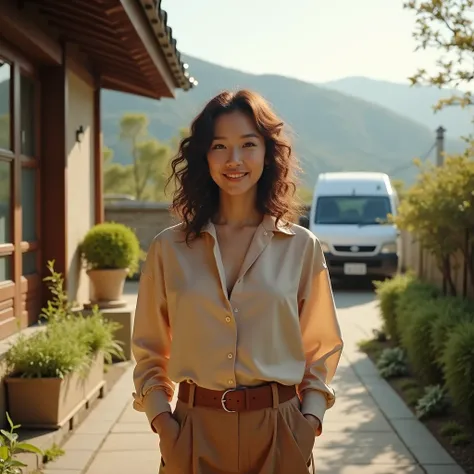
[151, 340]
[321, 334]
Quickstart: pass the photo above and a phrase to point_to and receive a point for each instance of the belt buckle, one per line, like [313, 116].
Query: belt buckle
[223, 400]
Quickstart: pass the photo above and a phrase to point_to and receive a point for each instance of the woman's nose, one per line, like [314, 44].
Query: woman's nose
[234, 157]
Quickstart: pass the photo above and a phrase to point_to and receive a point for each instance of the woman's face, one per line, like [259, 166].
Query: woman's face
[236, 156]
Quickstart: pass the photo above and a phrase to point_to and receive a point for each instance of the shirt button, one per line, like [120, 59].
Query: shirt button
[230, 382]
[227, 320]
[236, 310]
[230, 355]
[265, 233]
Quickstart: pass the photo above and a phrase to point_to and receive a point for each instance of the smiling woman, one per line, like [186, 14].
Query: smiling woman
[237, 141]
[235, 305]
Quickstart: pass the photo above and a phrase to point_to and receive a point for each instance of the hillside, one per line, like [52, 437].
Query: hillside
[414, 102]
[332, 131]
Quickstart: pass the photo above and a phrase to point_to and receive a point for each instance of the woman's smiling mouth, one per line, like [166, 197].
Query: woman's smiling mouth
[235, 176]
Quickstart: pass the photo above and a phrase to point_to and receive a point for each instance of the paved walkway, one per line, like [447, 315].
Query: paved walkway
[369, 430]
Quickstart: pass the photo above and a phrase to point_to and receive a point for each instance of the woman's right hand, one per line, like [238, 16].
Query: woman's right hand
[167, 429]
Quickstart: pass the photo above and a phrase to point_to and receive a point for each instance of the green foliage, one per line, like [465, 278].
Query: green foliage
[413, 395]
[10, 447]
[392, 363]
[438, 210]
[458, 361]
[452, 312]
[58, 306]
[68, 343]
[53, 453]
[446, 25]
[144, 178]
[432, 403]
[388, 292]
[111, 245]
[415, 295]
[451, 428]
[98, 335]
[416, 340]
[460, 439]
[53, 352]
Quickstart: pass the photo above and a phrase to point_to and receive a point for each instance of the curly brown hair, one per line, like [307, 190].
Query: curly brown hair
[196, 199]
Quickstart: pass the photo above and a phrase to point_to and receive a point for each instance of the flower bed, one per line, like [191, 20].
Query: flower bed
[426, 352]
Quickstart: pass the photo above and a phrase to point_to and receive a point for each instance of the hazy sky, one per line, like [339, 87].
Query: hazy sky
[313, 40]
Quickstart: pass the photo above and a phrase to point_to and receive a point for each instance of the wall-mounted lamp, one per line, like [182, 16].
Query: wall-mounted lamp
[79, 134]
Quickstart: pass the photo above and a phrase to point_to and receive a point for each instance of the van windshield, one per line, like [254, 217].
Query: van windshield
[360, 210]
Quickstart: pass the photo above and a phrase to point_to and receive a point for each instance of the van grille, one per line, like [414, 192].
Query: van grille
[352, 248]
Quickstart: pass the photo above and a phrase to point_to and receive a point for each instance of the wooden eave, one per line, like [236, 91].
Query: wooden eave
[121, 39]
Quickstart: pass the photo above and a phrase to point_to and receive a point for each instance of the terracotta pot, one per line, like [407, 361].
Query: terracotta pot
[50, 403]
[107, 285]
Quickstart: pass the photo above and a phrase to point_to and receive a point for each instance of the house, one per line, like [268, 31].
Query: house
[55, 57]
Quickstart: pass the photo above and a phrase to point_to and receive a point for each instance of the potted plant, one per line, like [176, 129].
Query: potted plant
[111, 252]
[53, 373]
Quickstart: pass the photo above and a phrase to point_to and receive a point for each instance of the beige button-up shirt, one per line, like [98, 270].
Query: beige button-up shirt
[279, 325]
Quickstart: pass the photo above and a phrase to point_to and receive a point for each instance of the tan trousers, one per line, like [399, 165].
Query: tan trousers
[276, 440]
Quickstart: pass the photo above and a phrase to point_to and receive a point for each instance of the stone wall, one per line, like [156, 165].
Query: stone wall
[147, 219]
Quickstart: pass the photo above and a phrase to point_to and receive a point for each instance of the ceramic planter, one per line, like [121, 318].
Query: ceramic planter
[107, 287]
[49, 403]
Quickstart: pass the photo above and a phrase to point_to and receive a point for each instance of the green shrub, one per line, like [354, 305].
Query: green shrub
[98, 335]
[458, 366]
[460, 439]
[451, 428]
[453, 311]
[415, 295]
[432, 403]
[392, 363]
[53, 352]
[416, 340]
[388, 292]
[111, 246]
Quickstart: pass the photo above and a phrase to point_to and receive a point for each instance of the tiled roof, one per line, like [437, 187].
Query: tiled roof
[158, 19]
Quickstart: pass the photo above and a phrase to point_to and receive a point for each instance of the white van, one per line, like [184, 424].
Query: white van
[349, 216]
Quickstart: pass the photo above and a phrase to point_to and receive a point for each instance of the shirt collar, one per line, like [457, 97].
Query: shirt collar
[268, 223]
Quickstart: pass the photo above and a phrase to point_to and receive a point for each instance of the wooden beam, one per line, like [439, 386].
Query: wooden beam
[115, 84]
[20, 30]
[147, 36]
[54, 167]
[98, 161]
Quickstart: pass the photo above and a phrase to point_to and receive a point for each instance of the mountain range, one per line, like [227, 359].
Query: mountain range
[352, 124]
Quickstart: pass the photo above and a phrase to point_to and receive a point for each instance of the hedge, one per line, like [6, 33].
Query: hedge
[435, 331]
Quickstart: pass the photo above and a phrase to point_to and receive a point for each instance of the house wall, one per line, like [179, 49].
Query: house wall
[80, 180]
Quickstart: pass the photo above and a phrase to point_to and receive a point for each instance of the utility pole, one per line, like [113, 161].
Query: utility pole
[440, 145]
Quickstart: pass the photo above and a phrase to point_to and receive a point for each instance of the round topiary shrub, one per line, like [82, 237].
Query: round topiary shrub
[458, 365]
[110, 246]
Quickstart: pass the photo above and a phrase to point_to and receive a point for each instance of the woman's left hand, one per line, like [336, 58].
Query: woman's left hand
[315, 423]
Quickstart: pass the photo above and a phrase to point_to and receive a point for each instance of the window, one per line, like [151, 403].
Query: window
[361, 210]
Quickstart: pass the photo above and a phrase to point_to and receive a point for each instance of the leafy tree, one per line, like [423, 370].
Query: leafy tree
[439, 211]
[447, 26]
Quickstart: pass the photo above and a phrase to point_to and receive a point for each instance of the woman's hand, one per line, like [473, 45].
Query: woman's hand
[315, 423]
[167, 429]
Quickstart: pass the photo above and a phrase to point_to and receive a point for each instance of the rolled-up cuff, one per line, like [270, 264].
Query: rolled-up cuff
[314, 403]
[154, 403]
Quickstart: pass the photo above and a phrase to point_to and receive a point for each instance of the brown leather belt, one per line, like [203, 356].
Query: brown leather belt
[236, 400]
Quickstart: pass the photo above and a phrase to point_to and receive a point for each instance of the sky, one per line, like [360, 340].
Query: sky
[312, 40]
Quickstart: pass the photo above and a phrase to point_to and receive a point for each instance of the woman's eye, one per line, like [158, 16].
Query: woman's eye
[218, 146]
[249, 144]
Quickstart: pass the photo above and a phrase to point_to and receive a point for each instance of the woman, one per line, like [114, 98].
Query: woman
[235, 305]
